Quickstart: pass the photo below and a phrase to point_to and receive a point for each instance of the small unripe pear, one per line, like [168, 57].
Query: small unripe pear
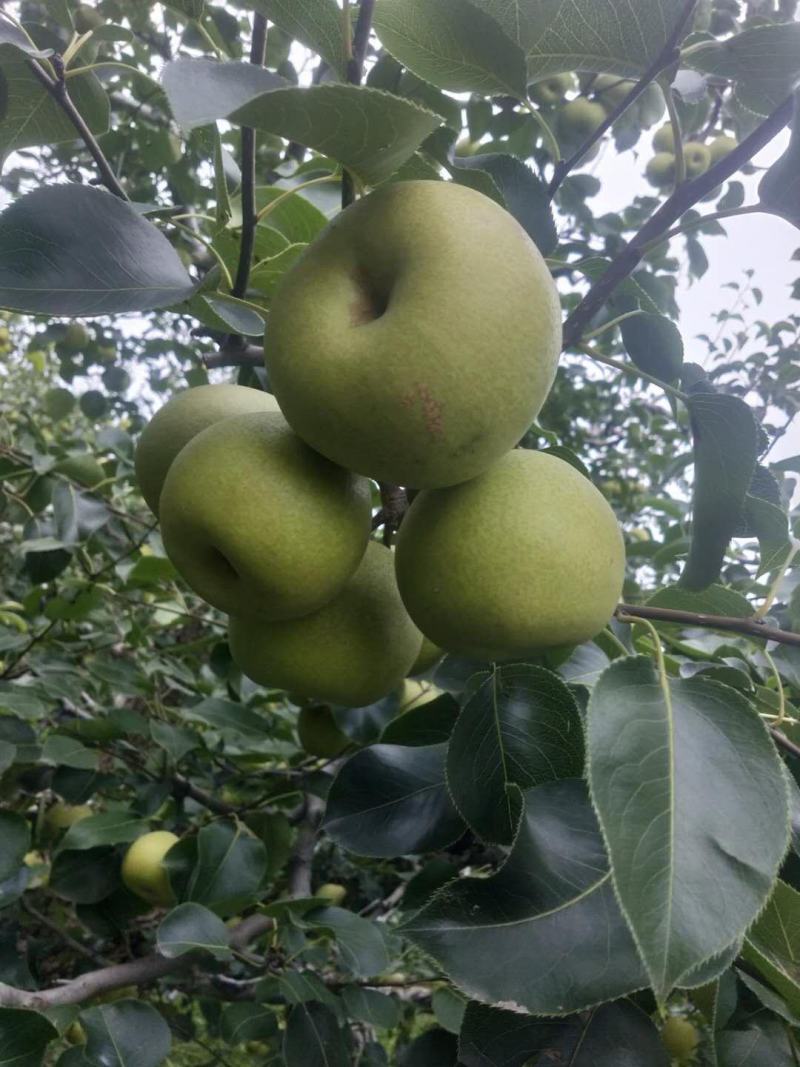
[552, 90]
[319, 732]
[332, 892]
[61, 816]
[661, 169]
[578, 119]
[143, 870]
[664, 139]
[721, 146]
[697, 158]
[75, 338]
[680, 1037]
[611, 89]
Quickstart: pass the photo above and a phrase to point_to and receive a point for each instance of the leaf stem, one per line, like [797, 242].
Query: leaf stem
[57, 88]
[258, 47]
[779, 687]
[677, 133]
[694, 224]
[763, 611]
[610, 325]
[195, 236]
[659, 650]
[630, 369]
[267, 210]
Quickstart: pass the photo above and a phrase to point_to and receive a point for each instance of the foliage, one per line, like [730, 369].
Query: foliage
[550, 858]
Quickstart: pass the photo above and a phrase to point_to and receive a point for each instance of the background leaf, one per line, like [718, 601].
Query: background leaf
[317, 23]
[127, 1033]
[189, 928]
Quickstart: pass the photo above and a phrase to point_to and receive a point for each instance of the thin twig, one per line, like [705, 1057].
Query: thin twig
[665, 58]
[748, 627]
[249, 207]
[57, 88]
[669, 212]
[76, 946]
[357, 54]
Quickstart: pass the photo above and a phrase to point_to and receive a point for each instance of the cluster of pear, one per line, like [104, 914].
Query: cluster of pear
[413, 343]
[697, 156]
[576, 119]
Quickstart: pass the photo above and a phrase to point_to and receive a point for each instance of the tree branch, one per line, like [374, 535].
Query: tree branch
[57, 88]
[118, 975]
[670, 211]
[667, 56]
[299, 874]
[746, 627]
[249, 208]
[355, 69]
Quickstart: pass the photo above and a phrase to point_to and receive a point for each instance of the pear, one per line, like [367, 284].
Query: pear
[429, 655]
[525, 557]
[258, 523]
[353, 651]
[319, 732]
[680, 1037]
[578, 119]
[721, 146]
[664, 138]
[181, 419]
[552, 90]
[416, 339]
[143, 870]
[661, 169]
[697, 158]
[611, 89]
[61, 816]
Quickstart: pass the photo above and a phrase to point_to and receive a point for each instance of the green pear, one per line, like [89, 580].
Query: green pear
[697, 158]
[416, 339]
[181, 419]
[319, 732]
[258, 523]
[611, 89]
[143, 870]
[721, 146]
[429, 655]
[75, 337]
[353, 651]
[661, 169]
[58, 403]
[680, 1037]
[664, 138]
[552, 90]
[87, 18]
[527, 556]
[333, 892]
[578, 119]
[81, 468]
[61, 816]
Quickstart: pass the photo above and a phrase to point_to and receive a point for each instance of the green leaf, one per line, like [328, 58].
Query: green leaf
[200, 91]
[313, 1038]
[690, 794]
[449, 1008]
[434, 1048]
[545, 934]
[85, 877]
[53, 262]
[772, 945]
[521, 727]
[763, 1041]
[110, 828]
[389, 800]
[452, 45]
[15, 840]
[594, 35]
[764, 61]
[227, 716]
[248, 1022]
[191, 9]
[24, 1036]
[725, 450]
[370, 1007]
[654, 344]
[267, 274]
[12, 34]
[67, 752]
[713, 600]
[229, 870]
[127, 1033]
[315, 23]
[779, 190]
[607, 1036]
[428, 724]
[192, 928]
[371, 132]
[361, 945]
[524, 194]
[32, 117]
[177, 741]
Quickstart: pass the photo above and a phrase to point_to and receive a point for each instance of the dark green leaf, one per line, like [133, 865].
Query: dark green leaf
[24, 1036]
[109, 828]
[521, 727]
[435, 1048]
[313, 1038]
[316, 23]
[772, 945]
[388, 800]
[779, 190]
[361, 945]
[545, 934]
[725, 450]
[690, 795]
[428, 724]
[189, 928]
[127, 1033]
[764, 61]
[230, 868]
[248, 1022]
[52, 262]
[85, 877]
[764, 1041]
[370, 1007]
[654, 344]
[15, 840]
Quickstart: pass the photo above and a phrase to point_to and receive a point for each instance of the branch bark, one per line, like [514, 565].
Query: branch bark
[685, 197]
[258, 47]
[745, 627]
[302, 856]
[107, 979]
[57, 88]
[666, 57]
